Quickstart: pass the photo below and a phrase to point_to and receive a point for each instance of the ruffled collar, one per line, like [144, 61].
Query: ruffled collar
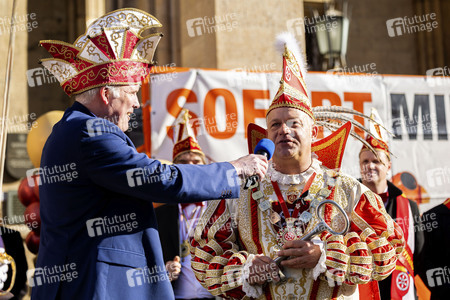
[296, 179]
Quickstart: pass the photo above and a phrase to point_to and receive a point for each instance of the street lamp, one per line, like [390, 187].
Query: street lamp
[332, 38]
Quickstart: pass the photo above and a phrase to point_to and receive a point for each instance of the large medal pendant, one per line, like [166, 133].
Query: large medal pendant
[286, 234]
[289, 235]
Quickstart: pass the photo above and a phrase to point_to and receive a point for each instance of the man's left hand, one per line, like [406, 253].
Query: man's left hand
[303, 254]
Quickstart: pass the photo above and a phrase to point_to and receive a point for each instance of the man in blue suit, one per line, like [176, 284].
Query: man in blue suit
[99, 237]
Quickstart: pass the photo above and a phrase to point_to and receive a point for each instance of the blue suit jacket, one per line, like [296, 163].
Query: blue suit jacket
[99, 237]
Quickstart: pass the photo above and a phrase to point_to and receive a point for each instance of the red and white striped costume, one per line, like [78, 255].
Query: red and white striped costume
[231, 230]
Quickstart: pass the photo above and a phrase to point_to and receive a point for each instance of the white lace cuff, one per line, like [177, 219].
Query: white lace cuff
[254, 291]
[320, 267]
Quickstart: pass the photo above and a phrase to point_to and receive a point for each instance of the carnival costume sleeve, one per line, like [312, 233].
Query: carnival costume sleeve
[370, 249]
[217, 258]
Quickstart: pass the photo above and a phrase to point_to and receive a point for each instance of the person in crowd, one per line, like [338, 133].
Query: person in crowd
[176, 222]
[434, 268]
[374, 173]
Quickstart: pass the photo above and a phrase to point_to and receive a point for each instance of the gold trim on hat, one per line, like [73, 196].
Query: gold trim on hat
[112, 18]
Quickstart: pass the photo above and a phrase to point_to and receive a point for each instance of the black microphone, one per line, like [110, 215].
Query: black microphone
[264, 147]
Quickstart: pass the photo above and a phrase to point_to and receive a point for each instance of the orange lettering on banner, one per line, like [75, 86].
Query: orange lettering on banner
[250, 112]
[317, 100]
[174, 109]
[358, 100]
[209, 111]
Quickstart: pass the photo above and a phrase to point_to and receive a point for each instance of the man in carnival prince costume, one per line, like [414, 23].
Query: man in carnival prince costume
[236, 241]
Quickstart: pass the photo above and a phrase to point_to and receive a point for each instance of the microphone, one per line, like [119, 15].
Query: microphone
[264, 147]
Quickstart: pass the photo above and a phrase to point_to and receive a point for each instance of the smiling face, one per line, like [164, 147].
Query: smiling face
[121, 102]
[373, 169]
[292, 132]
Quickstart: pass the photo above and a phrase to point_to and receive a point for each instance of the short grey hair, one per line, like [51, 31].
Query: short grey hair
[88, 95]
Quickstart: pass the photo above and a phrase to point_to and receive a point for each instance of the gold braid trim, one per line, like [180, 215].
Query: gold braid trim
[215, 246]
[381, 276]
[229, 268]
[399, 245]
[220, 260]
[341, 256]
[198, 265]
[384, 256]
[350, 235]
[215, 292]
[378, 243]
[213, 281]
[200, 277]
[214, 273]
[358, 280]
[384, 269]
[336, 238]
[336, 246]
[201, 225]
[363, 260]
[234, 247]
[203, 254]
[366, 233]
[231, 238]
[336, 265]
[227, 287]
[357, 246]
[241, 257]
[360, 270]
[234, 280]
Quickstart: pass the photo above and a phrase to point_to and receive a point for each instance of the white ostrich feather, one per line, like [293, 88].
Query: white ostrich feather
[288, 39]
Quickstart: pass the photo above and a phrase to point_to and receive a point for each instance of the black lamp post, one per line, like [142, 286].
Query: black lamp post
[332, 38]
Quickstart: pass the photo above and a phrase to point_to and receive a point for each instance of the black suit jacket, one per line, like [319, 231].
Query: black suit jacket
[436, 253]
[14, 247]
[168, 227]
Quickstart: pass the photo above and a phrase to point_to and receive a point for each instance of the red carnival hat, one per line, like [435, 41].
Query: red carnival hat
[184, 137]
[292, 91]
[111, 52]
[379, 140]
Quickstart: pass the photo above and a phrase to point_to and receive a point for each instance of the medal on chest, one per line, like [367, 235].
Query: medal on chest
[294, 227]
[290, 232]
[188, 225]
[292, 194]
[291, 224]
[184, 249]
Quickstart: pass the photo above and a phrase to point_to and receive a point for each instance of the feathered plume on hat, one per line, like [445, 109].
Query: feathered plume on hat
[379, 135]
[333, 117]
[292, 91]
[111, 52]
[184, 137]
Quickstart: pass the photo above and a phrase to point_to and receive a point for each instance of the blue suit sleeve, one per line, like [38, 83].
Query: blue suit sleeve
[112, 163]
